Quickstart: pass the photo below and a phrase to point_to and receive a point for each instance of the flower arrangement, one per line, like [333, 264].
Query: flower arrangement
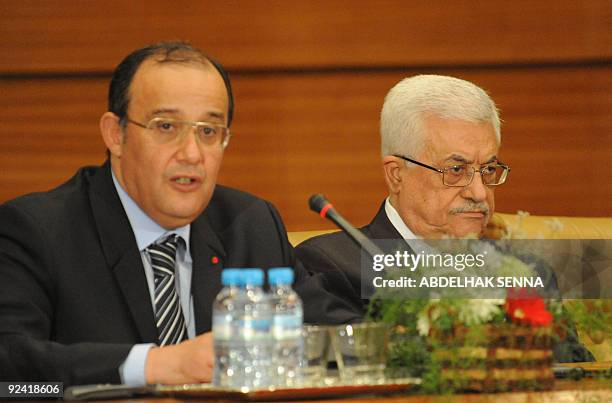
[458, 344]
[503, 342]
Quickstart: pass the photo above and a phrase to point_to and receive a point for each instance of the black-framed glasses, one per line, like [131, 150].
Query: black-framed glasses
[167, 130]
[493, 174]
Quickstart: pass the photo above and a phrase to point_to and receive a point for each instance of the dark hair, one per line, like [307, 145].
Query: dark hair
[170, 52]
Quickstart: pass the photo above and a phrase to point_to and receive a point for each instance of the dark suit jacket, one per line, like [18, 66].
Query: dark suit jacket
[73, 293]
[339, 258]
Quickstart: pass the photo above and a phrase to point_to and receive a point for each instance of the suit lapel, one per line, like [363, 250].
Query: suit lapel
[382, 228]
[208, 256]
[121, 252]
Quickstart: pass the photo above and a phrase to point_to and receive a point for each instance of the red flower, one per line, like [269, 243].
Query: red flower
[527, 308]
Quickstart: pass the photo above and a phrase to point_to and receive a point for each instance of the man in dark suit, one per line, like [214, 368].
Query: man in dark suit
[440, 139]
[111, 276]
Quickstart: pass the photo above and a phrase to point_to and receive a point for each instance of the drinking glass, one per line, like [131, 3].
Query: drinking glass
[361, 352]
[316, 347]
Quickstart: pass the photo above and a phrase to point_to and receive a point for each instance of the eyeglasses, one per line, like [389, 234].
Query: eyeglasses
[462, 175]
[167, 130]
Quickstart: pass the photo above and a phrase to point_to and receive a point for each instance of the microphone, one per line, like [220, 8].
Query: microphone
[320, 205]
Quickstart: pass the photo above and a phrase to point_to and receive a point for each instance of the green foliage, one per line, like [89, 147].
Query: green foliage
[590, 316]
[441, 340]
[408, 356]
[455, 343]
[396, 312]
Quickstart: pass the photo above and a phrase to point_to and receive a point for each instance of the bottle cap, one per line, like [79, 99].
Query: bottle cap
[253, 276]
[230, 277]
[280, 275]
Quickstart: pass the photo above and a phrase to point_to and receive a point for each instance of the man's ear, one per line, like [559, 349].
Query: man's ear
[392, 166]
[111, 133]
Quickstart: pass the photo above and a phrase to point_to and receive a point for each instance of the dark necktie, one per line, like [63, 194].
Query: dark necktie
[168, 314]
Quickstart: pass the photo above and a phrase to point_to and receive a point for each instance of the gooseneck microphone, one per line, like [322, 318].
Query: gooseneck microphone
[320, 205]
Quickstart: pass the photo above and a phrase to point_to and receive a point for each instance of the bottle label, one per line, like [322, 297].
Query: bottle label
[222, 327]
[250, 329]
[287, 327]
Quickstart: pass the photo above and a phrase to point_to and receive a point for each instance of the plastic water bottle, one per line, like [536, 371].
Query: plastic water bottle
[224, 318]
[286, 328]
[253, 333]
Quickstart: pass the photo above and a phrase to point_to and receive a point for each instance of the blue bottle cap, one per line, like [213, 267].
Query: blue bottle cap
[280, 275]
[230, 277]
[253, 277]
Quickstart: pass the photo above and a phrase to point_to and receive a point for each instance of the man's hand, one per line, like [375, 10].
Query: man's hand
[188, 362]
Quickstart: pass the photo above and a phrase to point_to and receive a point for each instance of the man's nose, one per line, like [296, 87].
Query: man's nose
[189, 147]
[476, 190]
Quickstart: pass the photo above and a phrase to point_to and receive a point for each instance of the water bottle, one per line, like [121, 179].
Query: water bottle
[224, 318]
[253, 334]
[286, 328]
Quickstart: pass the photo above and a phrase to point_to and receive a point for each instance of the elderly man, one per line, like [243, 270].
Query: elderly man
[111, 277]
[440, 141]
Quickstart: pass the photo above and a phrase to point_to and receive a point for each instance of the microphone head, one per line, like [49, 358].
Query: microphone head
[317, 202]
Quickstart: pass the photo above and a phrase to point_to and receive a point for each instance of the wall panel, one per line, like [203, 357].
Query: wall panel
[79, 36]
[296, 134]
[310, 77]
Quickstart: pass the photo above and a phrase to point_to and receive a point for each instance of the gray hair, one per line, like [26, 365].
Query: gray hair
[412, 99]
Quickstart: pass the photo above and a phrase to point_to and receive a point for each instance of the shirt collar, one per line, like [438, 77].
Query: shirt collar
[145, 229]
[397, 221]
[417, 243]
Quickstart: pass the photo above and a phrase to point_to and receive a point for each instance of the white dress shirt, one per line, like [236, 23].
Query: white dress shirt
[146, 232]
[415, 242]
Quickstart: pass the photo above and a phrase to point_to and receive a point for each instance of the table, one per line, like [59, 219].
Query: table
[585, 390]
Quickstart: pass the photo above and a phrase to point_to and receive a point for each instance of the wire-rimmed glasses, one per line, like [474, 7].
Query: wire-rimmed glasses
[167, 130]
[493, 174]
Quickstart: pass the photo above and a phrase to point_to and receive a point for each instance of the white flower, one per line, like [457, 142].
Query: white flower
[431, 310]
[478, 311]
[513, 266]
[493, 258]
[423, 324]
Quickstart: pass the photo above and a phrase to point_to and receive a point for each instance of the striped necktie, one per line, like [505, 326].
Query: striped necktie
[168, 314]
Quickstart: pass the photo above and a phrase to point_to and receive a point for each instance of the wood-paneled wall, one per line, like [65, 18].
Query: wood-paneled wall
[309, 80]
